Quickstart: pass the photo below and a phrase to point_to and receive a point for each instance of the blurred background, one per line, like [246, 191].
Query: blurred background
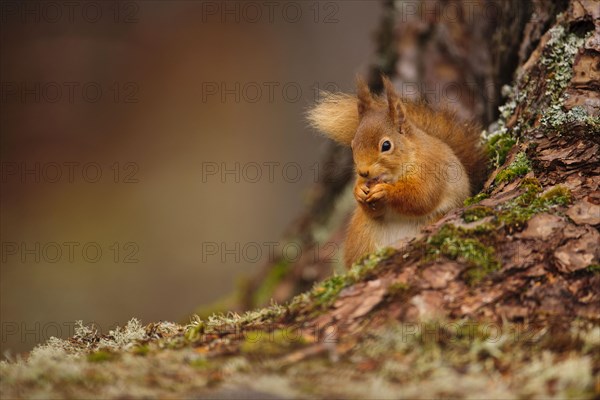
[153, 153]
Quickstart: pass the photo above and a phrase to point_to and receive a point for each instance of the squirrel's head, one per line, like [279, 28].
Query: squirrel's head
[380, 143]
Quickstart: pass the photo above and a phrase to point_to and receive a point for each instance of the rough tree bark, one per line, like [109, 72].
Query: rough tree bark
[523, 252]
[452, 54]
[527, 247]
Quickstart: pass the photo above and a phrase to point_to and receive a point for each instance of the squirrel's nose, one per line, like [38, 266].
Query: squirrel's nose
[364, 173]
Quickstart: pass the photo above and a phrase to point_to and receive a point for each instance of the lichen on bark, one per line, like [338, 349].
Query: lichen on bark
[498, 299]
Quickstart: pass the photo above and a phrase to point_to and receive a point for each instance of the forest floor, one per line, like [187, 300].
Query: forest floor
[257, 355]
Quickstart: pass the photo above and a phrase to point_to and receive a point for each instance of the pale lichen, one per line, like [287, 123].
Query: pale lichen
[558, 58]
[124, 337]
[555, 117]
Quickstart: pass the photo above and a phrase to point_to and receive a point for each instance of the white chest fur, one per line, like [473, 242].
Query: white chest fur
[395, 228]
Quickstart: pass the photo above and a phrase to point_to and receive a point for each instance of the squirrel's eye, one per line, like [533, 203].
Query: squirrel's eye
[386, 146]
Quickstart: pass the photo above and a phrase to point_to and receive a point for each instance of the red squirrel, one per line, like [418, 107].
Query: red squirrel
[413, 164]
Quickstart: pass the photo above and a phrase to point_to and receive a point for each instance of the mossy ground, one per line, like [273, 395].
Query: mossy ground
[463, 359]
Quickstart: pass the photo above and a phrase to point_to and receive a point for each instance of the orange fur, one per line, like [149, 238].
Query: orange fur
[413, 164]
[336, 116]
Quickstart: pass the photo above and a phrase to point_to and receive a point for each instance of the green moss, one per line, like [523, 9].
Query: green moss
[456, 244]
[265, 292]
[398, 289]
[200, 363]
[484, 228]
[519, 210]
[326, 292]
[476, 199]
[368, 262]
[519, 167]
[558, 195]
[101, 356]
[594, 268]
[141, 350]
[231, 322]
[195, 329]
[277, 342]
[498, 147]
[476, 213]
[531, 185]
[485, 265]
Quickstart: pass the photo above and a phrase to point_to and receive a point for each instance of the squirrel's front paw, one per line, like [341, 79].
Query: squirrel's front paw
[375, 200]
[378, 194]
[361, 192]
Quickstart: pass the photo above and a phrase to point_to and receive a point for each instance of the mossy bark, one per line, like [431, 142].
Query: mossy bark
[521, 258]
[455, 55]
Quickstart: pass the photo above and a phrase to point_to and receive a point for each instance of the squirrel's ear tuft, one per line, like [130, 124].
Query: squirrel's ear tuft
[395, 106]
[365, 99]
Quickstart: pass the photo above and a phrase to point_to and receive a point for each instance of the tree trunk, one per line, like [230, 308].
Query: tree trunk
[523, 253]
[452, 54]
[527, 247]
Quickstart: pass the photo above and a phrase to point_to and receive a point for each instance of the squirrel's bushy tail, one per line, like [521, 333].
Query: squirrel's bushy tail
[336, 116]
